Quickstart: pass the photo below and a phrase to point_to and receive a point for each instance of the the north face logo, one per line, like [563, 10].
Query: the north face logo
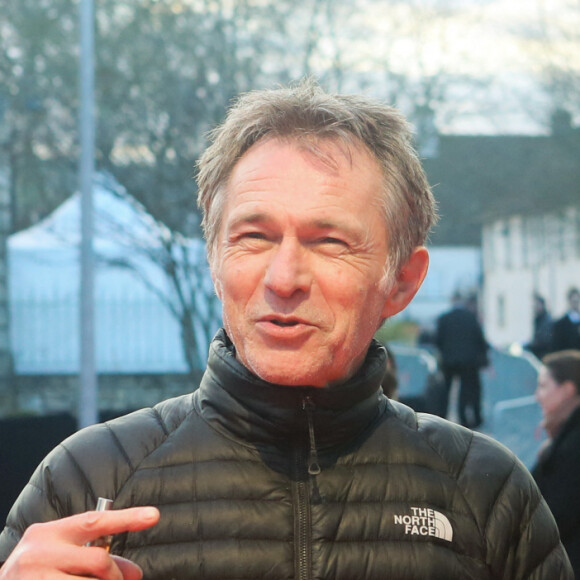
[426, 522]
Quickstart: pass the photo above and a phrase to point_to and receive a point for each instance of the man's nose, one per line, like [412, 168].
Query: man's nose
[288, 270]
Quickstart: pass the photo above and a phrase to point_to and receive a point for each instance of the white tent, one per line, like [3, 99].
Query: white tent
[135, 330]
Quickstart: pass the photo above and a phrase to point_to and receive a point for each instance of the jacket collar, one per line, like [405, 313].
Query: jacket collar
[235, 400]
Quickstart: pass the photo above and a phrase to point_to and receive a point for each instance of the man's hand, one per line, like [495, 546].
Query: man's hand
[56, 550]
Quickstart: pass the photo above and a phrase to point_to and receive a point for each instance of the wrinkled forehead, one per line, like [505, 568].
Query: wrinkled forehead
[332, 156]
[328, 153]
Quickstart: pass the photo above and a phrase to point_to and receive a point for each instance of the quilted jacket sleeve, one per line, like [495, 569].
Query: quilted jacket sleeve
[518, 532]
[40, 500]
[72, 476]
[521, 535]
[537, 553]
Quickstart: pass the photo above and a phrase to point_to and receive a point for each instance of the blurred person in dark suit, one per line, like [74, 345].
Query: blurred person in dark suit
[567, 328]
[463, 351]
[542, 339]
[557, 471]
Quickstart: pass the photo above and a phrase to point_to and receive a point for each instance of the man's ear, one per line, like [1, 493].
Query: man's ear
[408, 282]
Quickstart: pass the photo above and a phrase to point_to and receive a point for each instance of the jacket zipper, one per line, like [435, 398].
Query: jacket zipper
[303, 516]
[303, 564]
[313, 465]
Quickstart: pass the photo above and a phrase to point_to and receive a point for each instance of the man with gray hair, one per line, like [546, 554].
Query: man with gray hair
[288, 462]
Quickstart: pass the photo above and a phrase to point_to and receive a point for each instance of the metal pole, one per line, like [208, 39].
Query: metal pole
[87, 413]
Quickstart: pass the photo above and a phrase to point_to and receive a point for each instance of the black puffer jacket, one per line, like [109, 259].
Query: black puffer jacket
[557, 474]
[391, 494]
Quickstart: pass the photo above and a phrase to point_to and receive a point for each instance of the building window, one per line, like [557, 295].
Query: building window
[507, 245]
[560, 227]
[501, 311]
[540, 241]
[526, 242]
[576, 226]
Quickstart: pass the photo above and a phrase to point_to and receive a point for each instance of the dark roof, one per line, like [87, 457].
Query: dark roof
[476, 179]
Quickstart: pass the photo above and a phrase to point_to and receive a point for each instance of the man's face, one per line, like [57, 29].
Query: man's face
[574, 301]
[300, 261]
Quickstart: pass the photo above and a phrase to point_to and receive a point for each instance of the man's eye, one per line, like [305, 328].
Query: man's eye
[330, 240]
[253, 235]
[332, 246]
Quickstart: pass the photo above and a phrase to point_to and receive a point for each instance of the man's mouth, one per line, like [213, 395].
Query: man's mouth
[284, 322]
[285, 328]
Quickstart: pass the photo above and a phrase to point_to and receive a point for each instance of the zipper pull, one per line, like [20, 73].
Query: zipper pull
[313, 465]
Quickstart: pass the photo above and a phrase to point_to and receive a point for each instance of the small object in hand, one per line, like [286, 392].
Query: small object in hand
[103, 504]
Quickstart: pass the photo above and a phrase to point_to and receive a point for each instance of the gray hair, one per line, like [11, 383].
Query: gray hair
[307, 114]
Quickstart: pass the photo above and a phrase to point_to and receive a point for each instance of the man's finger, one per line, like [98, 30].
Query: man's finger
[129, 569]
[82, 528]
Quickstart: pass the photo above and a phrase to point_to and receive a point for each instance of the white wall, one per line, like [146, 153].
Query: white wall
[522, 256]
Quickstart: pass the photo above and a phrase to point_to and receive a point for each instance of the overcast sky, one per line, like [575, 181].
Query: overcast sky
[498, 41]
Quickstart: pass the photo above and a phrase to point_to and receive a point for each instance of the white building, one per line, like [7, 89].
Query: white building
[523, 255]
